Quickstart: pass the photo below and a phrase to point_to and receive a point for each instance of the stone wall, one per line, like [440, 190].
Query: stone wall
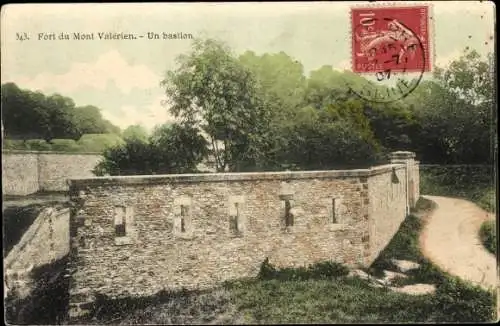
[45, 241]
[19, 173]
[388, 206]
[193, 231]
[25, 172]
[56, 169]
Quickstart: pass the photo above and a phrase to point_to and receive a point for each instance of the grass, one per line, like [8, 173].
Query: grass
[488, 236]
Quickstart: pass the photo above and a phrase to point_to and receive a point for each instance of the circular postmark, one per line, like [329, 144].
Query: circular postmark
[391, 57]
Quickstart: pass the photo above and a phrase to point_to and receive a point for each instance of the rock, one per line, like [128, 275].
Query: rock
[359, 273]
[390, 276]
[416, 289]
[405, 265]
[365, 276]
[377, 285]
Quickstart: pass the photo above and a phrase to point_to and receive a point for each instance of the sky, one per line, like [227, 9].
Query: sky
[122, 77]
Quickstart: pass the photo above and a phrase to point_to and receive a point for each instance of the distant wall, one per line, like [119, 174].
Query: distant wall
[19, 173]
[56, 169]
[24, 172]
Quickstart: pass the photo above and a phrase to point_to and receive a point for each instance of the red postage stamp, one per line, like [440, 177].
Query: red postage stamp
[390, 38]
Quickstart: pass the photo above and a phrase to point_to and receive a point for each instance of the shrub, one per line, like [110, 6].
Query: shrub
[472, 182]
[14, 144]
[99, 142]
[488, 200]
[488, 236]
[317, 271]
[37, 145]
[64, 145]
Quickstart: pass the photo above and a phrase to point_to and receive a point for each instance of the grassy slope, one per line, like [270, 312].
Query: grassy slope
[474, 184]
[333, 299]
[488, 236]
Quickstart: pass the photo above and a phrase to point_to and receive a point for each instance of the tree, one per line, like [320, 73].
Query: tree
[393, 125]
[135, 132]
[280, 76]
[327, 86]
[98, 142]
[131, 158]
[170, 149]
[455, 112]
[320, 139]
[213, 91]
[28, 115]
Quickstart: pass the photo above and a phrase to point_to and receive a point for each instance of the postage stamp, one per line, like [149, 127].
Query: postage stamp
[391, 48]
[390, 39]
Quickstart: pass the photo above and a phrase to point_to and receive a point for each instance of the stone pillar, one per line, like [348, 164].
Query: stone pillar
[412, 175]
[81, 299]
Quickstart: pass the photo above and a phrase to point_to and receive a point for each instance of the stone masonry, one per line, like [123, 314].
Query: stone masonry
[138, 235]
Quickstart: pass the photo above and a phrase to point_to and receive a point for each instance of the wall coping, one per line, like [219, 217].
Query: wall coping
[222, 177]
[15, 151]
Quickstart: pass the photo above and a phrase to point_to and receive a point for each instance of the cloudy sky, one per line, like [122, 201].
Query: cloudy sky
[122, 76]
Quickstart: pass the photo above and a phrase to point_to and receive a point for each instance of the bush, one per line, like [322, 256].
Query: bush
[65, 145]
[37, 145]
[488, 236]
[318, 271]
[471, 182]
[99, 142]
[170, 149]
[14, 144]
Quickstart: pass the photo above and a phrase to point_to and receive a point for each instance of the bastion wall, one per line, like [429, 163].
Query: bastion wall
[138, 235]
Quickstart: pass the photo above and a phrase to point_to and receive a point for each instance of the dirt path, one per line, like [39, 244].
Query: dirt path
[451, 240]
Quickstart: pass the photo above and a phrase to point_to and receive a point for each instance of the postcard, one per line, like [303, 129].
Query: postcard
[249, 163]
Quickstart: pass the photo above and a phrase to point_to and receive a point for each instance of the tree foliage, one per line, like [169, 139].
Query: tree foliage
[29, 115]
[170, 149]
[213, 91]
[455, 112]
[261, 112]
[135, 132]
